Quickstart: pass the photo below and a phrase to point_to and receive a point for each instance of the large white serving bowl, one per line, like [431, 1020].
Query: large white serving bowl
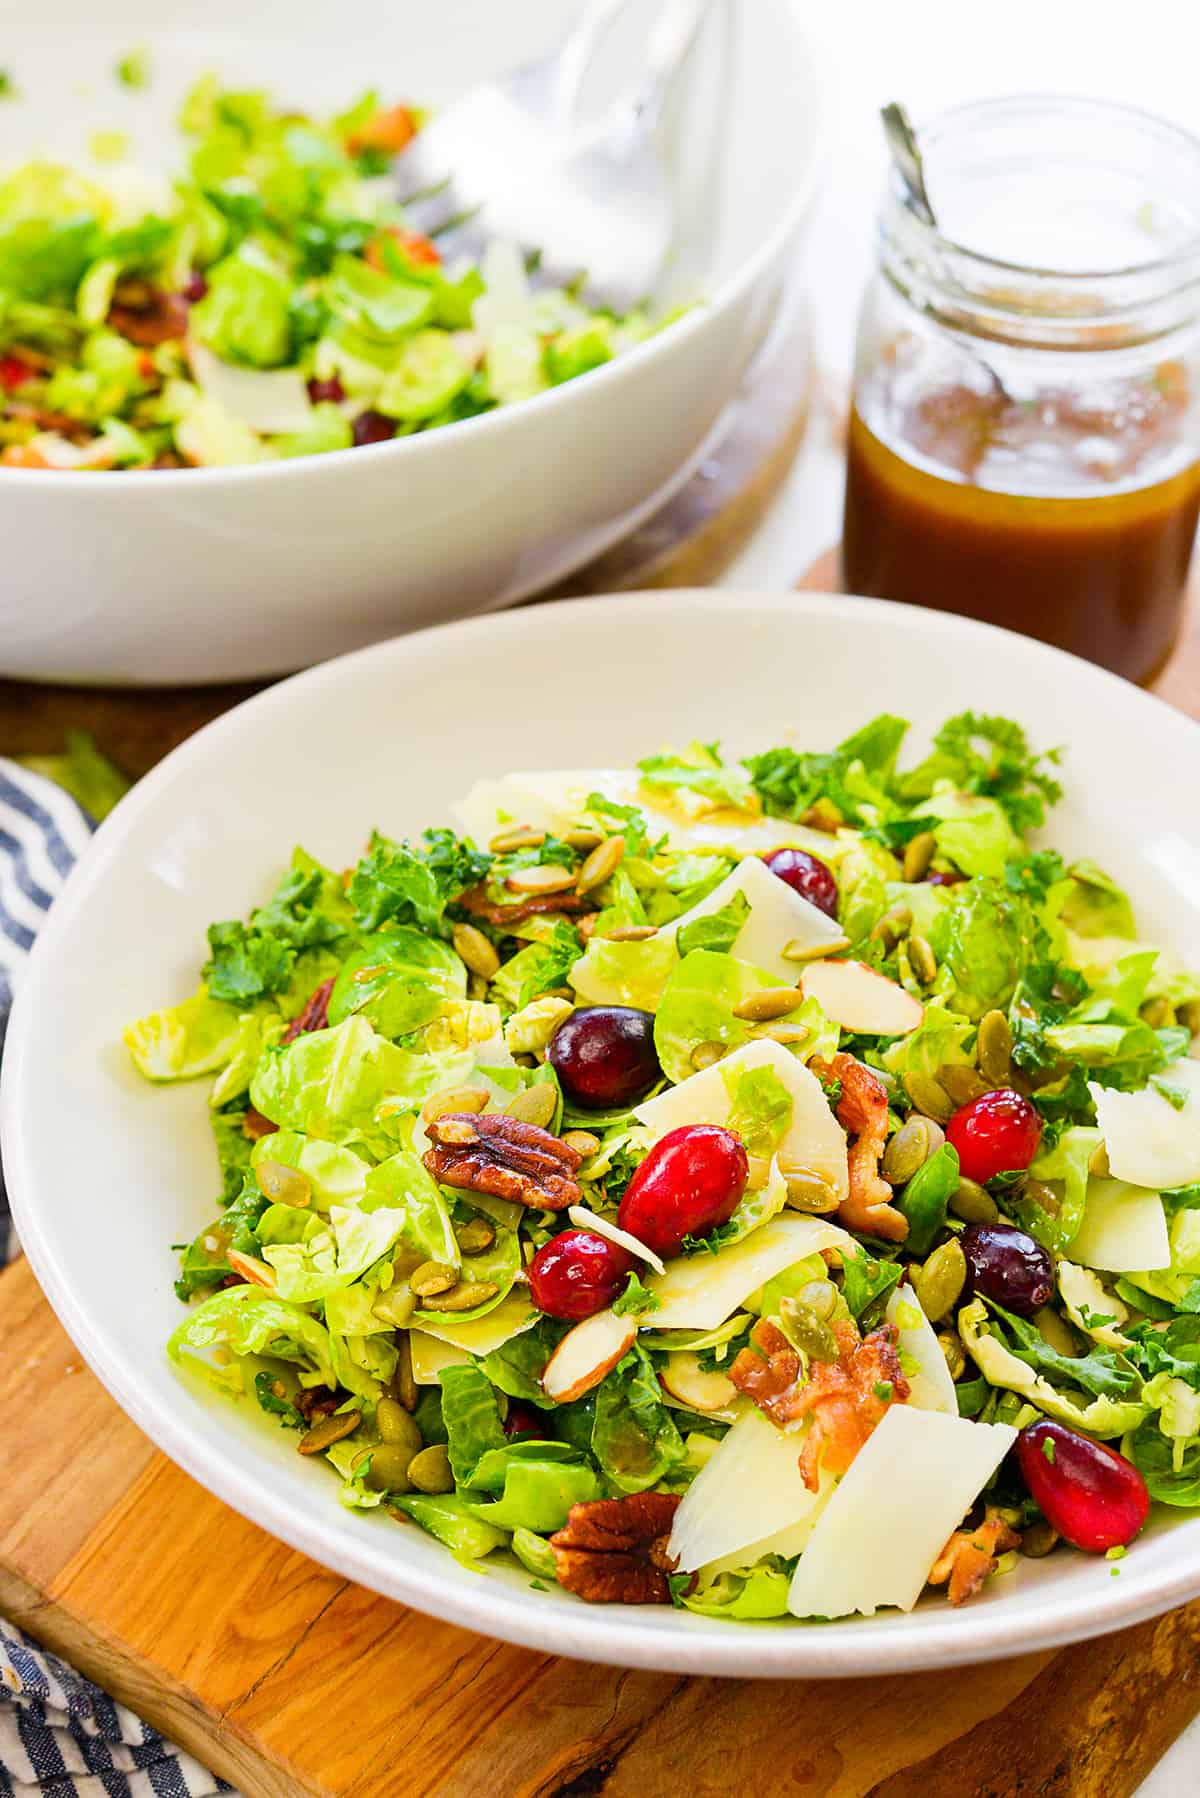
[220, 574]
[106, 1172]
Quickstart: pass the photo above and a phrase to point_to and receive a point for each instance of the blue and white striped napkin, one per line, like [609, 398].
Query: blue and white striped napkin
[61, 1736]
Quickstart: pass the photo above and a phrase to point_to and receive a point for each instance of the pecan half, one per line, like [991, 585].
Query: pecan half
[315, 1015]
[970, 1556]
[476, 902]
[158, 318]
[316, 1401]
[863, 1110]
[614, 1550]
[846, 1398]
[491, 1152]
[256, 1126]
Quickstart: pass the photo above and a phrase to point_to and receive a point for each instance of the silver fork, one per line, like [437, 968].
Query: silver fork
[512, 162]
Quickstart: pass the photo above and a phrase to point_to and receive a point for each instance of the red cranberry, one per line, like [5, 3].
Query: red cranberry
[689, 1183]
[1090, 1494]
[807, 875]
[331, 390]
[1008, 1266]
[372, 427]
[604, 1056]
[576, 1274]
[522, 1420]
[13, 372]
[945, 878]
[995, 1133]
[194, 289]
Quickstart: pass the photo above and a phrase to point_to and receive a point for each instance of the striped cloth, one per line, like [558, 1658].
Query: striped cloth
[61, 1736]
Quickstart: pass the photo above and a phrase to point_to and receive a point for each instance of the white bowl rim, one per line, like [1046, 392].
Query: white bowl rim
[728, 294]
[850, 1649]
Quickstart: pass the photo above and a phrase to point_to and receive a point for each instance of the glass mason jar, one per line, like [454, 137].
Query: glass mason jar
[1025, 435]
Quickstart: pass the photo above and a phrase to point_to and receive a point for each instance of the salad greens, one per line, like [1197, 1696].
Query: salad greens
[372, 1293]
[269, 301]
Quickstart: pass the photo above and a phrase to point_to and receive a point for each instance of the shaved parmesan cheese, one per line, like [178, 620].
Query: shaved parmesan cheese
[786, 1542]
[859, 999]
[429, 1357]
[698, 1292]
[922, 1358]
[1150, 1141]
[906, 1492]
[1084, 1295]
[778, 916]
[600, 1226]
[266, 399]
[749, 1491]
[813, 1138]
[480, 1335]
[1124, 1229]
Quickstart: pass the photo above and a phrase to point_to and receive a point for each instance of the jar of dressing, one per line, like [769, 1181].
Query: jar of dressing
[1025, 435]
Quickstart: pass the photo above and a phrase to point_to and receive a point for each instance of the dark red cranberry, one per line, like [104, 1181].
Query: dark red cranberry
[948, 877]
[195, 289]
[994, 1134]
[332, 390]
[689, 1183]
[807, 875]
[1090, 1494]
[522, 1420]
[604, 1056]
[577, 1274]
[1008, 1266]
[13, 372]
[373, 427]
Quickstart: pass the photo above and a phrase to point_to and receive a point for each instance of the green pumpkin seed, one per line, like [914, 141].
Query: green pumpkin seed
[808, 1190]
[769, 1002]
[328, 1430]
[806, 1331]
[1158, 1013]
[939, 1282]
[1041, 1194]
[893, 925]
[1188, 1015]
[797, 950]
[632, 933]
[403, 1385]
[910, 1148]
[821, 1298]
[543, 877]
[824, 815]
[395, 1307]
[389, 1467]
[535, 1105]
[973, 1203]
[582, 1141]
[431, 1278]
[395, 1424]
[522, 837]
[475, 1236]
[452, 1100]
[285, 1185]
[962, 1084]
[707, 1055]
[463, 1297]
[1098, 1161]
[918, 853]
[430, 1470]
[993, 1048]
[1038, 1539]
[952, 1349]
[600, 865]
[921, 959]
[928, 1097]
[474, 950]
[583, 838]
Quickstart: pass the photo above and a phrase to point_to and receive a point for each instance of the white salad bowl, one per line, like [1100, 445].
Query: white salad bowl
[220, 574]
[106, 1172]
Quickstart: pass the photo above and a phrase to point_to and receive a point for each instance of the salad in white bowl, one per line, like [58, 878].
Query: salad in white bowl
[764, 1188]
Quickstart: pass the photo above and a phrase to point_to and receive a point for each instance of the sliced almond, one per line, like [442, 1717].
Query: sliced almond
[453, 1099]
[257, 1272]
[585, 1354]
[684, 1378]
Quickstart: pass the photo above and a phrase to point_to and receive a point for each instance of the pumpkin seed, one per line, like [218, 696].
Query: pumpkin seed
[285, 1185]
[973, 1203]
[787, 1034]
[632, 933]
[1038, 1539]
[431, 1278]
[806, 1331]
[918, 853]
[582, 1141]
[938, 1283]
[928, 1097]
[824, 815]
[993, 1048]
[545, 877]
[458, 1131]
[1158, 1013]
[910, 1148]
[535, 1104]
[464, 1297]
[583, 839]
[475, 951]
[600, 865]
[430, 1470]
[807, 1190]
[952, 1349]
[395, 1307]
[1188, 1015]
[894, 924]
[1054, 1331]
[328, 1430]
[962, 1084]
[475, 1235]
[796, 950]
[453, 1099]
[396, 1425]
[707, 1055]
[769, 1002]
[403, 1385]
[759, 1172]
[921, 959]
[820, 1296]
[389, 1467]
[1098, 1161]
[523, 836]
[1041, 1194]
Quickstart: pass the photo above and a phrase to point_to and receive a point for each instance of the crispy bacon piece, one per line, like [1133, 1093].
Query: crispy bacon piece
[388, 131]
[862, 1109]
[493, 1153]
[161, 317]
[256, 1126]
[614, 1550]
[846, 1398]
[476, 902]
[970, 1557]
[315, 1015]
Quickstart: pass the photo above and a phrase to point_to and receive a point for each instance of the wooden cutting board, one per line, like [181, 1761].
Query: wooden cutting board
[294, 1683]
